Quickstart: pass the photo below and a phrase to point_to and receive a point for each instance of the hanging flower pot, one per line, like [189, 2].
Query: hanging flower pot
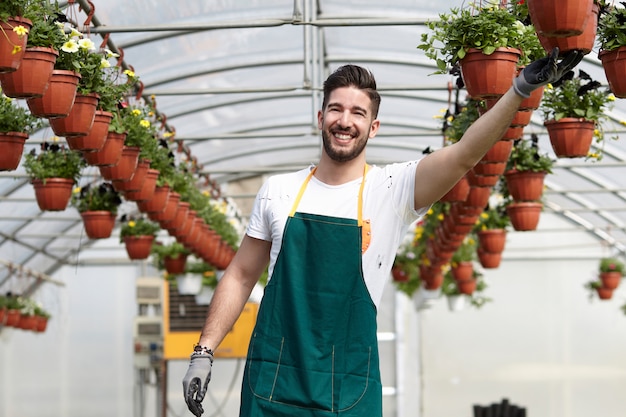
[98, 224]
[80, 118]
[462, 271]
[560, 17]
[136, 181]
[13, 42]
[53, 194]
[570, 137]
[110, 153]
[489, 260]
[499, 152]
[138, 247]
[481, 180]
[147, 190]
[95, 138]
[58, 98]
[158, 202]
[175, 265]
[458, 192]
[610, 280]
[524, 215]
[489, 168]
[11, 149]
[532, 102]
[169, 211]
[42, 324]
[525, 185]
[513, 133]
[489, 76]
[583, 42]
[467, 286]
[125, 167]
[478, 197]
[604, 293]
[179, 219]
[32, 76]
[399, 274]
[614, 64]
[492, 240]
[185, 233]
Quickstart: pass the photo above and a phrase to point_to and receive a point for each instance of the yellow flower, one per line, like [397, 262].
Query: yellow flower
[144, 123]
[129, 73]
[484, 215]
[105, 64]
[167, 135]
[440, 216]
[20, 30]
[549, 86]
[55, 138]
[622, 122]
[75, 34]
[76, 190]
[610, 97]
[208, 273]
[87, 44]
[136, 112]
[132, 223]
[596, 133]
[430, 211]
[16, 49]
[151, 113]
[437, 116]
[206, 193]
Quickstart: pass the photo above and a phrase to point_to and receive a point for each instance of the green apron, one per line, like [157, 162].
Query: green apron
[314, 350]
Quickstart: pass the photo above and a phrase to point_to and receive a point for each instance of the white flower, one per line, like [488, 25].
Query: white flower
[75, 34]
[104, 64]
[111, 54]
[87, 44]
[70, 46]
[520, 27]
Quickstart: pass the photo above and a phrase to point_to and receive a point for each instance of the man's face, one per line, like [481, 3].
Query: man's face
[347, 123]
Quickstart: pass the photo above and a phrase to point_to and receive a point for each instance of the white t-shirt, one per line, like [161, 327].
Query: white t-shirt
[387, 203]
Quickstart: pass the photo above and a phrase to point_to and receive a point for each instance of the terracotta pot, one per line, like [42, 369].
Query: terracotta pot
[534, 101]
[147, 190]
[489, 168]
[31, 78]
[399, 274]
[138, 247]
[125, 167]
[560, 18]
[466, 287]
[583, 42]
[42, 324]
[604, 293]
[610, 280]
[175, 266]
[614, 64]
[58, 98]
[158, 202]
[80, 118]
[499, 152]
[524, 215]
[179, 219]
[194, 237]
[9, 39]
[522, 118]
[478, 197]
[513, 133]
[489, 76]
[95, 138]
[98, 224]
[481, 180]
[458, 192]
[188, 227]
[110, 153]
[11, 149]
[463, 271]
[53, 194]
[169, 211]
[492, 240]
[137, 179]
[570, 137]
[525, 185]
[12, 318]
[433, 281]
[27, 322]
[489, 260]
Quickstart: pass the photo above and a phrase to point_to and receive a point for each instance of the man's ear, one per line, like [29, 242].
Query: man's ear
[374, 128]
[320, 119]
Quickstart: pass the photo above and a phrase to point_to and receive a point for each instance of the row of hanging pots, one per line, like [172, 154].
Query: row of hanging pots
[12, 44]
[14, 318]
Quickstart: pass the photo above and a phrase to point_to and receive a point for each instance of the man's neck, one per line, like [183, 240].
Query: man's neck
[336, 173]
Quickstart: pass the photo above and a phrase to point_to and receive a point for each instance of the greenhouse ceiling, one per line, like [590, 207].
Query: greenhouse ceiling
[239, 81]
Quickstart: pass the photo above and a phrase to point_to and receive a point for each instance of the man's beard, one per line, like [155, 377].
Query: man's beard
[343, 155]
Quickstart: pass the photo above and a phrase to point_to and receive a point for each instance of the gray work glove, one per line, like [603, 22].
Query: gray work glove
[545, 70]
[196, 381]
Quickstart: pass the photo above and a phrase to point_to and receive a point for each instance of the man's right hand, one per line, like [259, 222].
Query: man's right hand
[544, 71]
[196, 381]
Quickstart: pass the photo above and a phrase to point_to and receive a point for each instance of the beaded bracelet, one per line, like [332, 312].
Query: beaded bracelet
[202, 350]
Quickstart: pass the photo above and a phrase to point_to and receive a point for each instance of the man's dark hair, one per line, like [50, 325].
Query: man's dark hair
[353, 76]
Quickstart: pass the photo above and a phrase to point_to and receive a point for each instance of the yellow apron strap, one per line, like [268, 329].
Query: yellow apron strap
[366, 227]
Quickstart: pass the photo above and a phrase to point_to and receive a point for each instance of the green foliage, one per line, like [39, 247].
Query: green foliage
[96, 197]
[611, 264]
[578, 97]
[11, 8]
[135, 122]
[466, 251]
[525, 156]
[137, 226]
[115, 86]
[457, 124]
[611, 33]
[171, 250]
[47, 31]
[16, 118]
[484, 28]
[493, 218]
[54, 161]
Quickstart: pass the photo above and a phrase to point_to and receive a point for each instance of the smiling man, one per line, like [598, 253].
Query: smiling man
[329, 233]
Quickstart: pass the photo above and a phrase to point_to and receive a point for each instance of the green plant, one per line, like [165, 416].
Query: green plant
[16, 118]
[171, 250]
[209, 278]
[135, 122]
[493, 218]
[455, 125]
[115, 86]
[74, 53]
[611, 264]
[12, 8]
[54, 161]
[525, 156]
[576, 96]
[216, 218]
[96, 197]
[47, 30]
[484, 28]
[137, 226]
[611, 33]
